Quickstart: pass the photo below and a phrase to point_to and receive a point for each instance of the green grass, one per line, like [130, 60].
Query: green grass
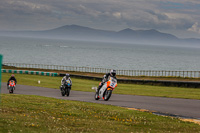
[24, 113]
[86, 85]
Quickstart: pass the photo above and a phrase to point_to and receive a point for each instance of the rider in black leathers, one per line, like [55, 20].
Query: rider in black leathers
[12, 78]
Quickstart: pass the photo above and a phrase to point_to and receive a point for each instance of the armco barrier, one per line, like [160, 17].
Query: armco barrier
[30, 72]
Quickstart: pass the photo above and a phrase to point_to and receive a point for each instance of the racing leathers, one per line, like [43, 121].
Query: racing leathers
[106, 77]
[11, 78]
[64, 80]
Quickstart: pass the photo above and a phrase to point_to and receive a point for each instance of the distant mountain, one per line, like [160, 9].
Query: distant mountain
[77, 32]
[146, 35]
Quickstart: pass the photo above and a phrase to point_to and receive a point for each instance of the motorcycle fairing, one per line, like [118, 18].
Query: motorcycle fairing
[110, 84]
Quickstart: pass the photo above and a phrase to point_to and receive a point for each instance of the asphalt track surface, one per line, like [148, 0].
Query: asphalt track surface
[187, 108]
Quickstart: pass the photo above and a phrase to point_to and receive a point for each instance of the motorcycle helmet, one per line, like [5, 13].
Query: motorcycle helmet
[12, 75]
[113, 73]
[67, 75]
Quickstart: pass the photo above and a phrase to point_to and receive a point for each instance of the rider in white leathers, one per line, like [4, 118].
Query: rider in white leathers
[106, 78]
[66, 77]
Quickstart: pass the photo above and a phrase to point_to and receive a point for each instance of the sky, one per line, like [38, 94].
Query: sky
[178, 17]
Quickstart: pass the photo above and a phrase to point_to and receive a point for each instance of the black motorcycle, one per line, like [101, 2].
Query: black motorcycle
[65, 88]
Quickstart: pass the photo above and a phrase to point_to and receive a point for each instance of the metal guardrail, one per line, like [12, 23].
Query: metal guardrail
[152, 73]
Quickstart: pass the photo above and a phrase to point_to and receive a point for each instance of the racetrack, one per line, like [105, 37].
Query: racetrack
[181, 107]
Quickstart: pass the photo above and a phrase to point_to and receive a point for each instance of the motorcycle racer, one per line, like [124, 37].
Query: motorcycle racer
[106, 78]
[66, 77]
[11, 78]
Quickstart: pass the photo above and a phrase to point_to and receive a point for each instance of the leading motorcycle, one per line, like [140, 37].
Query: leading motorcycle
[105, 91]
[11, 86]
[65, 88]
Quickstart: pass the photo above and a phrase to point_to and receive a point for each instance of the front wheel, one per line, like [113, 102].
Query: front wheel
[62, 92]
[11, 90]
[107, 95]
[96, 97]
[68, 91]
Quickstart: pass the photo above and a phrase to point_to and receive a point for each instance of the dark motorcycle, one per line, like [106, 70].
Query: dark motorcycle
[65, 88]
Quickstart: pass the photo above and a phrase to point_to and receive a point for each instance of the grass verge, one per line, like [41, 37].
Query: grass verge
[23, 113]
[86, 85]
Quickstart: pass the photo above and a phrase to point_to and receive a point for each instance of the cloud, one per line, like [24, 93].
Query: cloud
[25, 6]
[117, 15]
[195, 28]
[103, 14]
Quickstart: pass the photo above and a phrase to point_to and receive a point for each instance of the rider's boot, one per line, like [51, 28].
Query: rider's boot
[97, 92]
[99, 88]
[61, 88]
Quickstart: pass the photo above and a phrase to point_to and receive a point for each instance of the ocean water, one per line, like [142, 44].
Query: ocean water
[99, 54]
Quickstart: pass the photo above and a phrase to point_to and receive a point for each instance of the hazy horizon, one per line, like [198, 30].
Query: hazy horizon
[116, 42]
[76, 32]
[95, 29]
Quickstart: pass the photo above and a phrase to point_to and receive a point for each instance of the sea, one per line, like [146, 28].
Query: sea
[111, 55]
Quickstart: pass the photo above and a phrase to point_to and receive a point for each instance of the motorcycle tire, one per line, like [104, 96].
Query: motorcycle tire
[11, 90]
[107, 95]
[62, 92]
[68, 91]
[96, 97]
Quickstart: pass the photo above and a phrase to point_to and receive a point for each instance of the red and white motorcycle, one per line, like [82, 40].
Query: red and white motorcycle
[105, 91]
[11, 86]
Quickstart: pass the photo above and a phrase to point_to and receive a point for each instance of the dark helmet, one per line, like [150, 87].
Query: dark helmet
[67, 75]
[113, 73]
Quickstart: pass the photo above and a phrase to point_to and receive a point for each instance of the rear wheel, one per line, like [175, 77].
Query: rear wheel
[107, 95]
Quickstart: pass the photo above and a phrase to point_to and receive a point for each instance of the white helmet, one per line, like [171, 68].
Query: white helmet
[113, 72]
[67, 75]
